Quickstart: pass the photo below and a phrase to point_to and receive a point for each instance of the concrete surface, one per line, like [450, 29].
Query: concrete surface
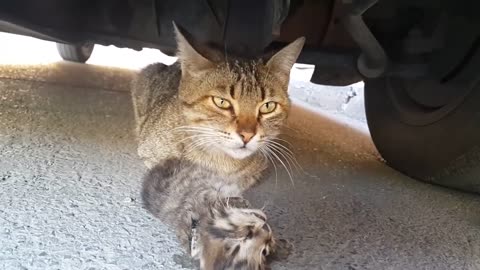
[70, 179]
[337, 100]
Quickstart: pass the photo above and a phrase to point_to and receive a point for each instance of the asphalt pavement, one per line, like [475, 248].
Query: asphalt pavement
[70, 182]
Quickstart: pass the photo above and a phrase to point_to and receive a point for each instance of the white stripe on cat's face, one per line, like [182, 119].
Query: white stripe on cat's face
[235, 147]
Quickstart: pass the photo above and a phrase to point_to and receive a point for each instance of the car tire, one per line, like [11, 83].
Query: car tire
[435, 140]
[79, 53]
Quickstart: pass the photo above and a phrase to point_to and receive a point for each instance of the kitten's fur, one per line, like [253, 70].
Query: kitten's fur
[230, 236]
[177, 118]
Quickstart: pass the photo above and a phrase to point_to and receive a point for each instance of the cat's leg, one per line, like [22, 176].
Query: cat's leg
[162, 197]
[184, 236]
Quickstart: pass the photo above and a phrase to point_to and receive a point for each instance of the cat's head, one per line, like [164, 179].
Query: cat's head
[233, 105]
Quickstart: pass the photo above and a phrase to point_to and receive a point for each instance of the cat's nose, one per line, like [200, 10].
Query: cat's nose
[246, 136]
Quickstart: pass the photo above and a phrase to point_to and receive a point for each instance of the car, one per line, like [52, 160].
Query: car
[420, 60]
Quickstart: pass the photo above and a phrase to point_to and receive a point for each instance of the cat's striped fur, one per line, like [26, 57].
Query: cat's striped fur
[216, 118]
[176, 117]
[231, 234]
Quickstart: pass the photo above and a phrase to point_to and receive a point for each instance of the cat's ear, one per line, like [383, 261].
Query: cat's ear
[190, 59]
[282, 62]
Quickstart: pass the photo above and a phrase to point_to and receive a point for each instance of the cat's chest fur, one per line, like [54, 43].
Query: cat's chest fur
[240, 174]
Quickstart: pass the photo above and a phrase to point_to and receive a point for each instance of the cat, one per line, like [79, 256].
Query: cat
[186, 196]
[219, 111]
[204, 128]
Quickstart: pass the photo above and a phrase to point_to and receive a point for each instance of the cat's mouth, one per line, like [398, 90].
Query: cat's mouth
[236, 148]
[239, 152]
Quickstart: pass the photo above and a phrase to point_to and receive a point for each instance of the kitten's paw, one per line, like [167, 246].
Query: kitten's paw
[247, 215]
[236, 238]
[282, 250]
[236, 202]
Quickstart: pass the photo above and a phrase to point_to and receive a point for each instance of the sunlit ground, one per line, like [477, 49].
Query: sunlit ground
[23, 50]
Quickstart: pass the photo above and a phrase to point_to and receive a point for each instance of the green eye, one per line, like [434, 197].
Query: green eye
[221, 103]
[268, 107]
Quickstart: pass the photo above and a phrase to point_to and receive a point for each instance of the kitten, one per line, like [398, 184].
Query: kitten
[230, 235]
[216, 111]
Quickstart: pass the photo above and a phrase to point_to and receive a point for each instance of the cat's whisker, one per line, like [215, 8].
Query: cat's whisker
[266, 154]
[281, 154]
[290, 154]
[291, 159]
[200, 131]
[192, 137]
[202, 143]
[201, 135]
[204, 133]
[188, 126]
[287, 152]
[193, 145]
[271, 142]
[286, 158]
[197, 128]
[283, 140]
[283, 164]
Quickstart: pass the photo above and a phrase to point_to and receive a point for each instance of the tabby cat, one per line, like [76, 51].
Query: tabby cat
[205, 127]
[214, 110]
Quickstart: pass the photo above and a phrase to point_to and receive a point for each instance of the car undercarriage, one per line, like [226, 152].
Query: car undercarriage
[419, 59]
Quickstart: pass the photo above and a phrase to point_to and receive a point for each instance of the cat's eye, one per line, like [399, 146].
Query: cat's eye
[221, 103]
[265, 252]
[268, 107]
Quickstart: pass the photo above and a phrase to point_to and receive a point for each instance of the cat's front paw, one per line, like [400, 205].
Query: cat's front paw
[236, 202]
[236, 238]
[282, 249]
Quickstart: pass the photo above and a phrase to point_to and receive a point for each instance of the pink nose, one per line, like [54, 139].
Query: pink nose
[246, 136]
